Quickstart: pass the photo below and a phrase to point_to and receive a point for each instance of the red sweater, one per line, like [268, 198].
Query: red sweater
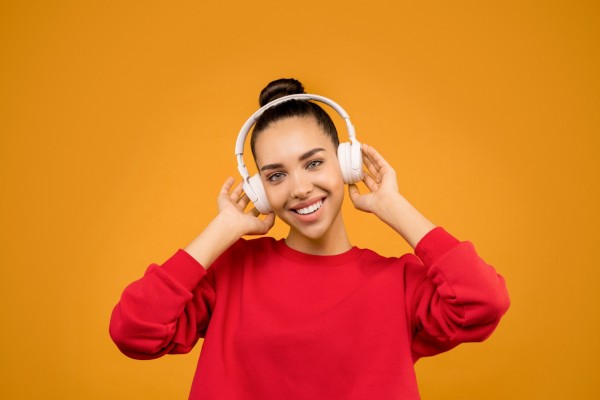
[280, 324]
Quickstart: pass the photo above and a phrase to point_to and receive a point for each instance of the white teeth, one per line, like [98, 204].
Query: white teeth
[310, 209]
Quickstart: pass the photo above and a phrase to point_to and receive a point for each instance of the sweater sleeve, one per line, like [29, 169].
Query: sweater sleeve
[459, 298]
[166, 311]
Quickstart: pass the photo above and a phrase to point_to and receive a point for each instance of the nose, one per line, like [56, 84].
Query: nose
[302, 185]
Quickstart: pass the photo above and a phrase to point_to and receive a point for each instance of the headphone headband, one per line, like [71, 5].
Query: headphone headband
[241, 139]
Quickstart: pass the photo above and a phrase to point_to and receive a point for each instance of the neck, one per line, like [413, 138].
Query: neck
[334, 241]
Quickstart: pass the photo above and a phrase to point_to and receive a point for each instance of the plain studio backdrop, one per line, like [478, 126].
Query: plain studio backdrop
[117, 128]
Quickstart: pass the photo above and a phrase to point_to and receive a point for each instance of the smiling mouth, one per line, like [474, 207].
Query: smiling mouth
[310, 209]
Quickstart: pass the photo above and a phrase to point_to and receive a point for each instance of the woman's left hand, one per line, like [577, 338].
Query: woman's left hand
[385, 201]
[380, 179]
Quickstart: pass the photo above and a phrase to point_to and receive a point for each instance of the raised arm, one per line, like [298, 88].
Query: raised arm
[169, 308]
[385, 201]
[230, 224]
[454, 296]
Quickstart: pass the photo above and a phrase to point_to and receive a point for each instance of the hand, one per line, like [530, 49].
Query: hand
[380, 179]
[229, 225]
[231, 208]
[385, 201]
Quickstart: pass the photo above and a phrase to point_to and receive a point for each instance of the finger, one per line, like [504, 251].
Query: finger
[357, 199]
[371, 166]
[269, 220]
[254, 212]
[236, 192]
[372, 169]
[227, 185]
[388, 174]
[385, 172]
[243, 201]
[375, 157]
[353, 192]
[371, 183]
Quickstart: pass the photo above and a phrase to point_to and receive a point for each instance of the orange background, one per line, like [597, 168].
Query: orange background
[118, 122]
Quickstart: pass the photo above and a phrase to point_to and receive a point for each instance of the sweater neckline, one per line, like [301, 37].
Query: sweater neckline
[316, 260]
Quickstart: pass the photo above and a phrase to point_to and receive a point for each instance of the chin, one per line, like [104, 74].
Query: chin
[316, 231]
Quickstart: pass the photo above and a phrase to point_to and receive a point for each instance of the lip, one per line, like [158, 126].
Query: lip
[307, 203]
[308, 218]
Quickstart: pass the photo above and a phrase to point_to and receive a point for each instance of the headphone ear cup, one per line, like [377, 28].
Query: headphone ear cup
[350, 159]
[256, 193]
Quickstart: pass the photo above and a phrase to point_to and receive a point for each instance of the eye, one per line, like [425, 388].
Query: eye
[312, 164]
[275, 177]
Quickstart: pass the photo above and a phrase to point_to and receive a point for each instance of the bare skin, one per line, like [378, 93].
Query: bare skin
[294, 182]
[386, 202]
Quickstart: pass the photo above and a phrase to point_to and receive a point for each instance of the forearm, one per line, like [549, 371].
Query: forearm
[405, 219]
[218, 236]
[462, 298]
[165, 311]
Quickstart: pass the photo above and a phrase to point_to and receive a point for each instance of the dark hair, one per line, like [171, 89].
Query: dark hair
[290, 109]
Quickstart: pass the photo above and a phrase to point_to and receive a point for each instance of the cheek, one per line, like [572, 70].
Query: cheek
[329, 178]
[335, 173]
[275, 194]
[331, 173]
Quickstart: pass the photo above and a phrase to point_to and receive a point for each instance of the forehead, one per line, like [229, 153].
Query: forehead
[289, 138]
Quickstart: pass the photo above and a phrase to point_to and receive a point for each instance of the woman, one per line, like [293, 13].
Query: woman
[311, 316]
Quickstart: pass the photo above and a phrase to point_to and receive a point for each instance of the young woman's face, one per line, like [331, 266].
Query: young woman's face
[300, 172]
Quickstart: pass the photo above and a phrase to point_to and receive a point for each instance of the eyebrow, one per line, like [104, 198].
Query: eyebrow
[303, 157]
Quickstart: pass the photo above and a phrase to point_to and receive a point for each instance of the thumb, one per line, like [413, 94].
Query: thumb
[270, 220]
[353, 192]
[360, 202]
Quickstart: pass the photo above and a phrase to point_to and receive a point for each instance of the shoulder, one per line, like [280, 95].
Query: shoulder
[399, 264]
[373, 256]
[259, 244]
[245, 249]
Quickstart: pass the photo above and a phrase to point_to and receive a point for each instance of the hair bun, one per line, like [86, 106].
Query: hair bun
[280, 88]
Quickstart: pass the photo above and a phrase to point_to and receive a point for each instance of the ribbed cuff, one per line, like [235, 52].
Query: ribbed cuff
[434, 245]
[185, 269]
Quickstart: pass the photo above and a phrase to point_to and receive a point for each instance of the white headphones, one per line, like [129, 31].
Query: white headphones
[349, 153]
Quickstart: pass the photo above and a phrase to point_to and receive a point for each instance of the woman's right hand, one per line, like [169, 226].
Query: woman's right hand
[231, 223]
[232, 205]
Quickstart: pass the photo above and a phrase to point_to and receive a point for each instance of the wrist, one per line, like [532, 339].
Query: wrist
[218, 235]
[390, 205]
[404, 218]
[228, 226]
